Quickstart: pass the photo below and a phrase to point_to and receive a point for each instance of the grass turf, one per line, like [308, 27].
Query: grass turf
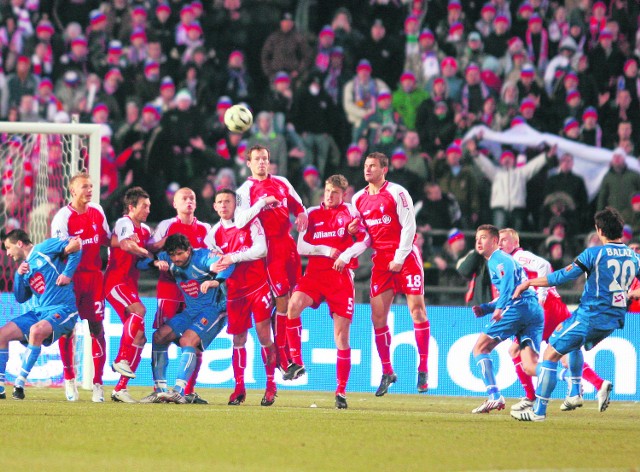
[395, 432]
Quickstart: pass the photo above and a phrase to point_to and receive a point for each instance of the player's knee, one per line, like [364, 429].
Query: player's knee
[240, 340]
[38, 333]
[96, 329]
[514, 350]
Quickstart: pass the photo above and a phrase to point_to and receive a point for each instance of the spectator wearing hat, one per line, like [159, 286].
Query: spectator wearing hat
[459, 179]
[112, 59]
[351, 167]
[606, 61]
[454, 16]
[436, 128]
[484, 25]
[407, 98]
[573, 185]
[161, 26]
[507, 107]
[193, 41]
[509, 186]
[359, 98]
[385, 116]
[42, 61]
[46, 103]
[70, 91]
[266, 135]
[235, 81]
[474, 92]
[165, 101]
[286, 50]
[325, 44]
[148, 88]
[559, 64]
[629, 80]
[590, 131]
[616, 112]
[46, 34]
[401, 175]
[496, 42]
[445, 259]
[571, 129]
[529, 86]
[170, 66]
[454, 83]
[537, 43]
[278, 100]
[618, 184]
[97, 37]
[76, 59]
[311, 190]
[411, 33]
[435, 209]
[186, 18]
[438, 93]
[474, 51]
[314, 116]
[21, 82]
[424, 61]
[384, 53]
[514, 60]
[454, 42]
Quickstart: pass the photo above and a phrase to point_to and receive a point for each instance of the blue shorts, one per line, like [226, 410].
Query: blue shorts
[62, 320]
[526, 321]
[573, 333]
[206, 325]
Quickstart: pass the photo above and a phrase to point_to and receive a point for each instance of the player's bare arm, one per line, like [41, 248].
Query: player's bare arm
[537, 282]
[302, 221]
[208, 284]
[75, 244]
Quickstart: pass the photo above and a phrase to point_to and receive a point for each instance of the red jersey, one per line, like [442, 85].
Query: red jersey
[121, 268]
[248, 249]
[327, 230]
[196, 232]
[91, 227]
[389, 218]
[274, 219]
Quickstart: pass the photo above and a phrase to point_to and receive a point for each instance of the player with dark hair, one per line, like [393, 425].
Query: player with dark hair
[333, 255]
[45, 272]
[129, 241]
[388, 216]
[522, 317]
[85, 219]
[248, 292]
[271, 198]
[610, 269]
[203, 316]
[170, 300]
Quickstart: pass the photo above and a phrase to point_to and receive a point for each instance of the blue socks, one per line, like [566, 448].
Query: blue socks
[4, 358]
[159, 362]
[486, 369]
[547, 379]
[576, 361]
[27, 364]
[187, 366]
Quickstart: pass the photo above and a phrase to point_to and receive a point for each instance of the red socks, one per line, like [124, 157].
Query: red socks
[98, 349]
[130, 329]
[65, 344]
[525, 379]
[590, 376]
[239, 363]
[343, 367]
[191, 383]
[280, 335]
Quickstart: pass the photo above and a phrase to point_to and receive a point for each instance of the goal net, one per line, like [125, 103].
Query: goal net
[38, 160]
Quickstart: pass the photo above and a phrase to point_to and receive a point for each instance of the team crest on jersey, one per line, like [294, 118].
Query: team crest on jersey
[191, 288]
[95, 227]
[340, 221]
[39, 263]
[241, 238]
[500, 269]
[36, 282]
[381, 208]
[569, 267]
[386, 219]
[340, 232]
[204, 321]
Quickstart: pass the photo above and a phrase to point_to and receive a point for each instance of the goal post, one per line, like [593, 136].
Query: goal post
[38, 160]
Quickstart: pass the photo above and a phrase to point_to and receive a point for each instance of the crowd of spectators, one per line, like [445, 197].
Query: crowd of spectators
[330, 81]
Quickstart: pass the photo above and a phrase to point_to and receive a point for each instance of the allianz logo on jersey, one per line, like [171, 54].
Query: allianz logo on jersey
[386, 219]
[93, 240]
[328, 234]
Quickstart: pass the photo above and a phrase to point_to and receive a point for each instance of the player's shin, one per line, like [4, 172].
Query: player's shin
[130, 329]
[187, 365]
[590, 376]
[343, 368]
[294, 338]
[280, 335]
[525, 379]
[576, 361]
[27, 364]
[239, 363]
[191, 384]
[484, 362]
[383, 343]
[269, 360]
[422, 333]
[65, 344]
[547, 379]
[98, 350]
[159, 362]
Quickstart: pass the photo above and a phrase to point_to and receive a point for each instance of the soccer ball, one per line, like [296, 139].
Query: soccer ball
[238, 119]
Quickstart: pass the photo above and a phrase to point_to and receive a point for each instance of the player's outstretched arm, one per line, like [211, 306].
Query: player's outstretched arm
[537, 282]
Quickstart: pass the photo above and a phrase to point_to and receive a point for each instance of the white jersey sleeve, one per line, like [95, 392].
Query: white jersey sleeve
[60, 223]
[536, 266]
[245, 212]
[161, 230]
[407, 217]
[258, 249]
[124, 229]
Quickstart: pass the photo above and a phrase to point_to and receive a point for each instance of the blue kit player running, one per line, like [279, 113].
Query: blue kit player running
[522, 317]
[202, 319]
[45, 272]
[610, 269]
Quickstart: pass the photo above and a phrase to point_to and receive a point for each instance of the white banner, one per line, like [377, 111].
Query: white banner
[591, 163]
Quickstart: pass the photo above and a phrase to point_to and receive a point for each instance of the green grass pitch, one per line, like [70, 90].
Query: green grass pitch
[392, 433]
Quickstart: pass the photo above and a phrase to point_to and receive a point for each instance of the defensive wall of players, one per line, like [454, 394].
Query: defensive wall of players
[451, 370]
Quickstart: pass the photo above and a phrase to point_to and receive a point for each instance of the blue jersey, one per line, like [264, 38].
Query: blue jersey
[47, 261]
[610, 270]
[189, 279]
[506, 274]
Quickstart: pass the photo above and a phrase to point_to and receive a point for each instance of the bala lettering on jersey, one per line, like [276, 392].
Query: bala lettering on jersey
[619, 252]
[37, 284]
[191, 288]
